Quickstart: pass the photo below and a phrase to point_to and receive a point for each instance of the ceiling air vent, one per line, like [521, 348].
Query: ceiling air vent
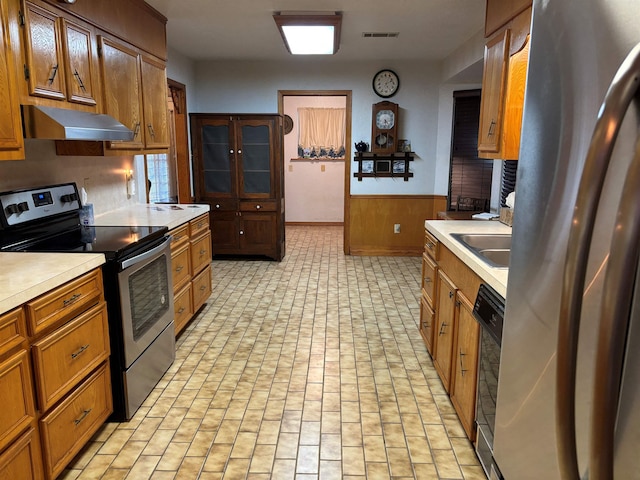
[380, 34]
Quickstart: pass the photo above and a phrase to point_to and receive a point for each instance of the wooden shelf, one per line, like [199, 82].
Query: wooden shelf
[378, 165]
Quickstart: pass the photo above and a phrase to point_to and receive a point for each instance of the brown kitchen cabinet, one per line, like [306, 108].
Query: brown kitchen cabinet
[503, 85]
[59, 57]
[54, 375]
[448, 327]
[465, 358]
[191, 269]
[500, 12]
[135, 93]
[238, 165]
[11, 139]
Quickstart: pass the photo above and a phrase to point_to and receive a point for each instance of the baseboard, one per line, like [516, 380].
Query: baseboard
[314, 224]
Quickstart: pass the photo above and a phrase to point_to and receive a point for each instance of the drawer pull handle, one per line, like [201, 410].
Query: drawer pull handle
[203, 288]
[202, 252]
[258, 207]
[450, 294]
[82, 417]
[79, 352]
[425, 325]
[430, 245]
[217, 205]
[179, 268]
[427, 280]
[180, 310]
[72, 299]
[462, 369]
[442, 327]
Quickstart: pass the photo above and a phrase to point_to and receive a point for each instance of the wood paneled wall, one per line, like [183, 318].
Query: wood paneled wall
[372, 218]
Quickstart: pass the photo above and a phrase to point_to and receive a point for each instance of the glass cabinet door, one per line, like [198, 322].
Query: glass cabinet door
[216, 159]
[256, 159]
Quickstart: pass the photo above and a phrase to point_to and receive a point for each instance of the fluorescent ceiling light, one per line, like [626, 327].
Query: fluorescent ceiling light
[310, 33]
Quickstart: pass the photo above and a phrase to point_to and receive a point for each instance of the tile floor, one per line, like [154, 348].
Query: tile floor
[312, 368]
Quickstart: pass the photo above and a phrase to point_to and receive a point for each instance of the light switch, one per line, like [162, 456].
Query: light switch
[290, 167]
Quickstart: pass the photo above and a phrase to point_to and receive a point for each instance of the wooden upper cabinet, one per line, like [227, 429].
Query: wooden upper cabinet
[120, 73]
[154, 94]
[78, 65]
[500, 12]
[11, 140]
[58, 57]
[493, 86]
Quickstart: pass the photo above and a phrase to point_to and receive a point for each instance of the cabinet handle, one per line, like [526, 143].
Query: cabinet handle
[180, 310]
[54, 72]
[430, 245]
[217, 205]
[136, 130]
[203, 288]
[79, 80]
[179, 268]
[202, 252]
[82, 417]
[241, 232]
[425, 325]
[71, 299]
[239, 151]
[258, 207]
[427, 280]
[231, 151]
[462, 369]
[491, 128]
[151, 131]
[450, 294]
[458, 304]
[441, 332]
[81, 350]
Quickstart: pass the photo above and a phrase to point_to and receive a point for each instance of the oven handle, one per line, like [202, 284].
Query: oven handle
[146, 255]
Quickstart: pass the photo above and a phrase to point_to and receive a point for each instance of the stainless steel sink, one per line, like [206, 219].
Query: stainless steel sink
[493, 249]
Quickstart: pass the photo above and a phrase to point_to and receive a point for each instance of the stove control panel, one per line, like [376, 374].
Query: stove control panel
[39, 203]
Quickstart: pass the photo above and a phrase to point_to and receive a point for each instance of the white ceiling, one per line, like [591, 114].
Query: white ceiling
[244, 29]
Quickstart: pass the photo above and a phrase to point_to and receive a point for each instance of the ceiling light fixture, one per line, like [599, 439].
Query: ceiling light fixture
[310, 33]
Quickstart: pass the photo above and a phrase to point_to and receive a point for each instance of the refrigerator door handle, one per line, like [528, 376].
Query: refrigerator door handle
[617, 100]
[615, 313]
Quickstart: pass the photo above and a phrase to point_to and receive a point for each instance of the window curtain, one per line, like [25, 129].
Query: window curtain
[321, 132]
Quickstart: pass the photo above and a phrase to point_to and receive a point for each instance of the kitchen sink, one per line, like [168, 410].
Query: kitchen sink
[493, 249]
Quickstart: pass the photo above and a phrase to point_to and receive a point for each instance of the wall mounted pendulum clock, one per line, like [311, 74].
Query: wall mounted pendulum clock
[384, 125]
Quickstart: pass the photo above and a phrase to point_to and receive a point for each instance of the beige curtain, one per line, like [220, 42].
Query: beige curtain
[322, 132]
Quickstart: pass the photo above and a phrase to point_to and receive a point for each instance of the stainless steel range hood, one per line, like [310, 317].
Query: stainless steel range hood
[63, 124]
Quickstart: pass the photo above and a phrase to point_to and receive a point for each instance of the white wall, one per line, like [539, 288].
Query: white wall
[311, 194]
[252, 87]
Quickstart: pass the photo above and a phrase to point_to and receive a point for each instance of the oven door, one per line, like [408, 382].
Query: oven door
[146, 298]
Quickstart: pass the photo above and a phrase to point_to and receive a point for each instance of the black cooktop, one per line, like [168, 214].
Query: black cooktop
[113, 242]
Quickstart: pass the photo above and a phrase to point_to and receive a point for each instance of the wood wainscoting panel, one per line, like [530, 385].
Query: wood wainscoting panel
[372, 219]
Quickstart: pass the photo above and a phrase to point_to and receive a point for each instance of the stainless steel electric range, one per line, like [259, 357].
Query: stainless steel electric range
[136, 275]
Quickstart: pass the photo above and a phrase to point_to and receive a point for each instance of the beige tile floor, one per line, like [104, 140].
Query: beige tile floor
[312, 368]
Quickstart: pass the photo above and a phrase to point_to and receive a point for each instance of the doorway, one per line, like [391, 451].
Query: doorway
[318, 169]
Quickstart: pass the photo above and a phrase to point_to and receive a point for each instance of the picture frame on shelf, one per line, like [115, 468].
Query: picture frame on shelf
[398, 166]
[383, 166]
[404, 145]
[367, 166]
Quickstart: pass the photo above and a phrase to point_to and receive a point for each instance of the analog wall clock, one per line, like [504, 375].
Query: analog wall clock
[384, 126]
[386, 83]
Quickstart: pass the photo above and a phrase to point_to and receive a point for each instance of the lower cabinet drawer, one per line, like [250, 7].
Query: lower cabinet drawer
[64, 357]
[200, 252]
[68, 427]
[18, 406]
[183, 308]
[13, 330]
[180, 266]
[22, 460]
[201, 286]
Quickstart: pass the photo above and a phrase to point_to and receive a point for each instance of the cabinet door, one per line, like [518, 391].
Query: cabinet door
[224, 232]
[120, 71]
[43, 53]
[11, 141]
[465, 365]
[17, 397]
[444, 333]
[154, 94]
[23, 459]
[78, 61]
[496, 54]
[427, 317]
[258, 233]
[214, 160]
[429, 272]
[256, 158]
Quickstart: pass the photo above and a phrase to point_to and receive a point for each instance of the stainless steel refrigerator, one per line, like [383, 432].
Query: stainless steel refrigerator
[568, 402]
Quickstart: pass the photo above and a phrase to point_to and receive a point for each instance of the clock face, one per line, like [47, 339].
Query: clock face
[385, 119]
[386, 83]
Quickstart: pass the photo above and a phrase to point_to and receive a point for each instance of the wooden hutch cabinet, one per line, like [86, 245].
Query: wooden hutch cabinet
[238, 169]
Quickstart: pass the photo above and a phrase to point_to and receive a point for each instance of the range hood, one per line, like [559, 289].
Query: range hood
[62, 124]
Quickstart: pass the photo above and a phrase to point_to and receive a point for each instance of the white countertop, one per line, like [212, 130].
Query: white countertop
[24, 276]
[170, 215]
[442, 230]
